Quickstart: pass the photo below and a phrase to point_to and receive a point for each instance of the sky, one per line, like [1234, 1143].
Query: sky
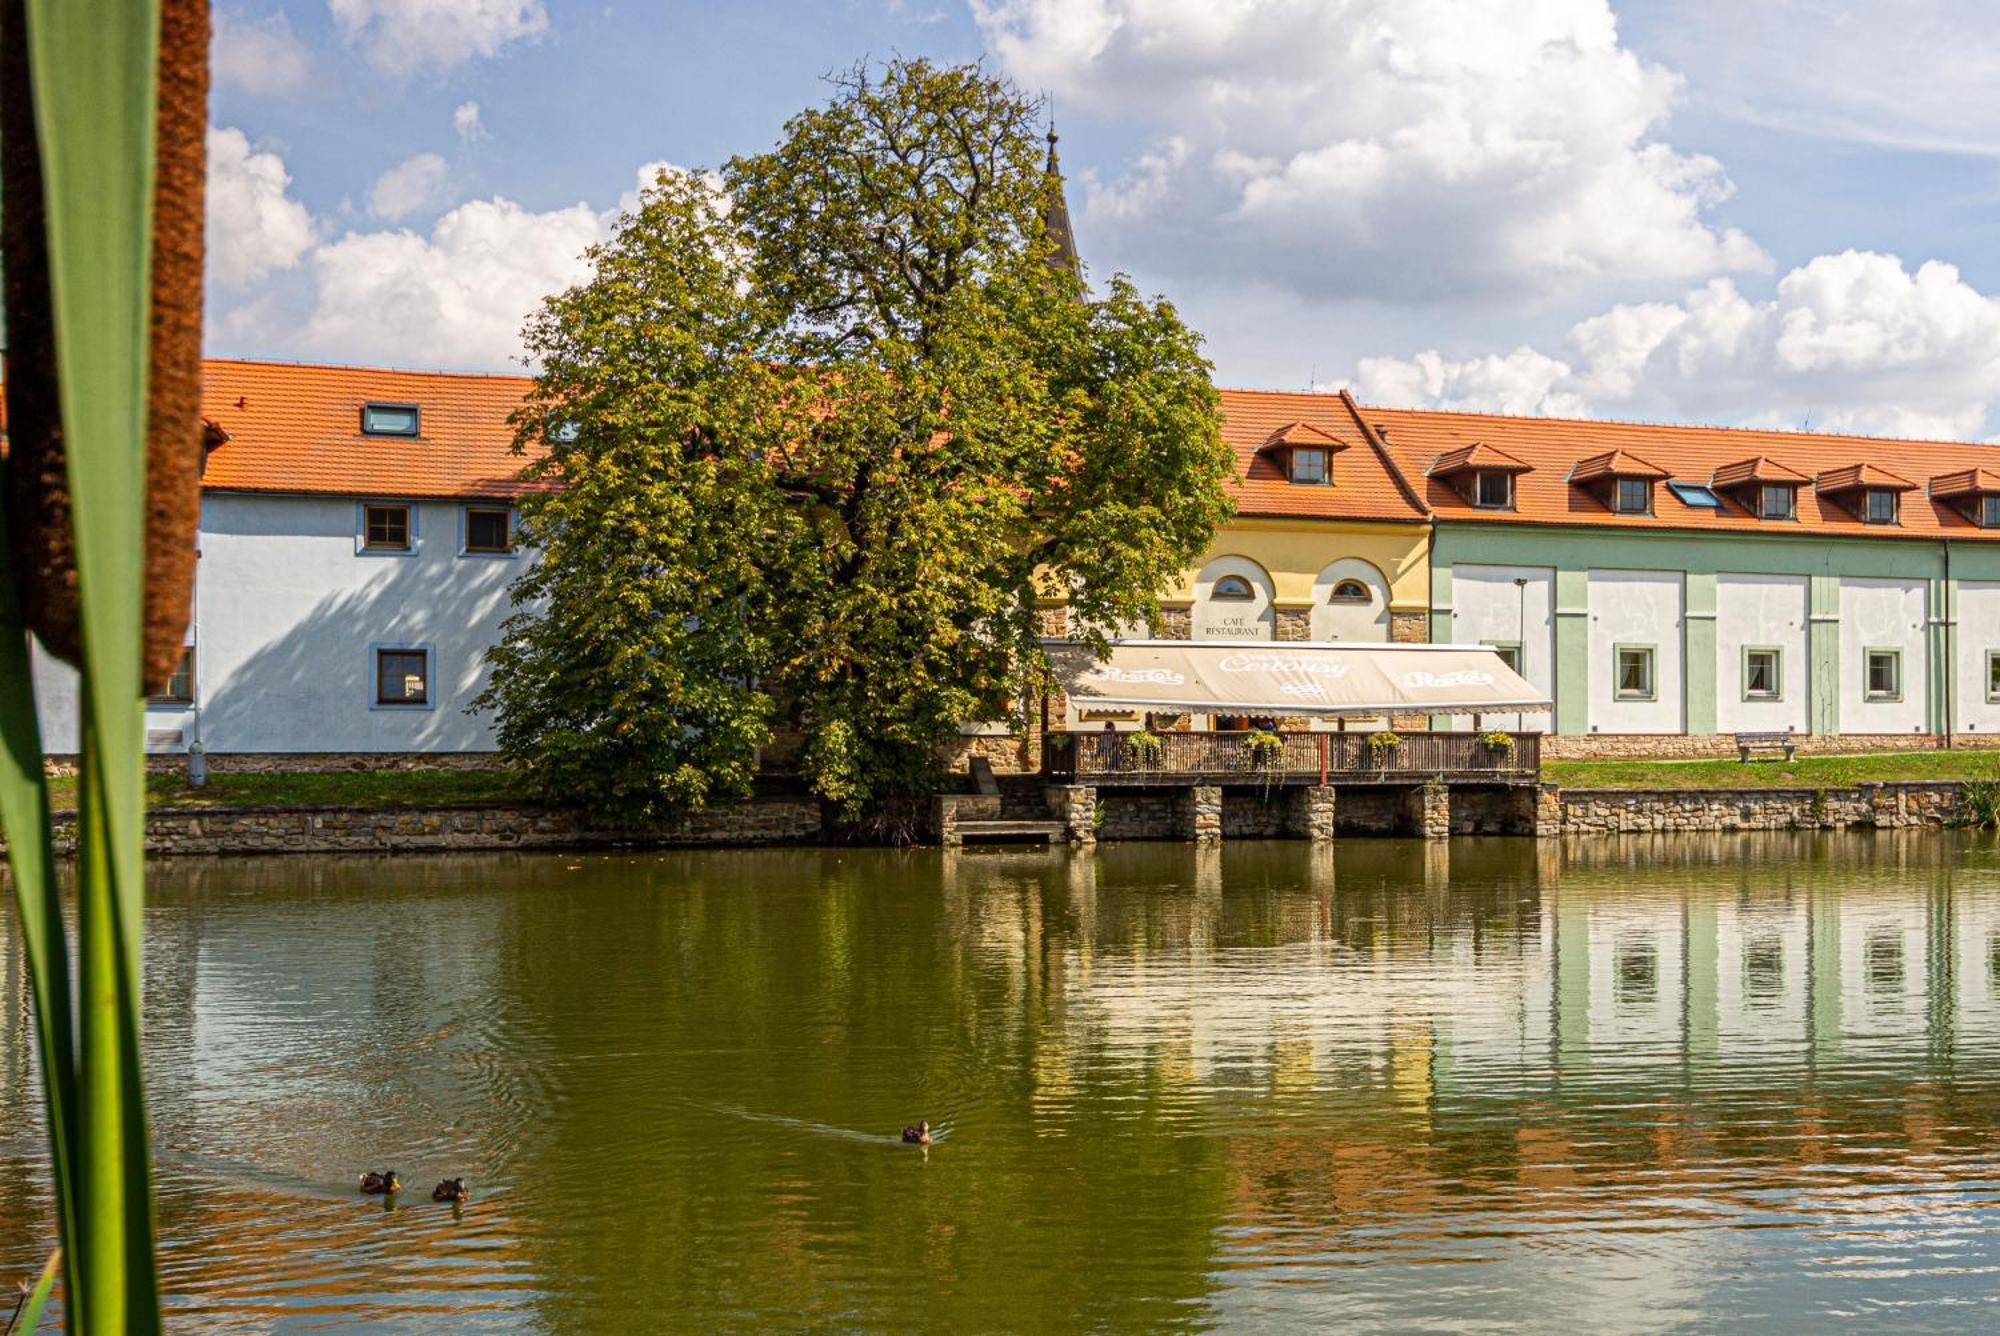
[1775, 213]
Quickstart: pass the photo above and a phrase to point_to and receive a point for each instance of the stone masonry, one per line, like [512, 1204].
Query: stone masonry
[1201, 812]
[1430, 811]
[1075, 805]
[1312, 811]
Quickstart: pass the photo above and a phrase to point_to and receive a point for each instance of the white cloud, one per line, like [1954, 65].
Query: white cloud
[1850, 342]
[465, 120]
[258, 55]
[409, 187]
[403, 37]
[457, 296]
[254, 228]
[1410, 149]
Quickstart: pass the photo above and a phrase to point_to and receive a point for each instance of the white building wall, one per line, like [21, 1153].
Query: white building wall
[1881, 613]
[1636, 608]
[1489, 608]
[1232, 619]
[287, 613]
[1761, 610]
[1365, 622]
[1978, 635]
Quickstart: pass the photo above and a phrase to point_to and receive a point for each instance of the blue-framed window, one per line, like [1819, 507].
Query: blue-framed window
[387, 419]
[402, 677]
[486, 531]
[385, 528]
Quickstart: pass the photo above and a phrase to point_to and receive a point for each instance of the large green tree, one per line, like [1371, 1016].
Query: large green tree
[817, 430]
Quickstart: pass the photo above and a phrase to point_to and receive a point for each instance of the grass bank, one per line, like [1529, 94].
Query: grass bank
[1818, 772]
[332, 788]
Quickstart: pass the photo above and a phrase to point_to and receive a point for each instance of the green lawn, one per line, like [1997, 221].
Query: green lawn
[333, 788]
[1813, 772]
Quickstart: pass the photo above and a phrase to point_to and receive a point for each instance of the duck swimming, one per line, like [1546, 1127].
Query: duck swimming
[449, 1189]
[919, 1135]
[376, 1185]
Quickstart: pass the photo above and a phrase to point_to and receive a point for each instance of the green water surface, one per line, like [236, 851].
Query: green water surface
[1693, 1083]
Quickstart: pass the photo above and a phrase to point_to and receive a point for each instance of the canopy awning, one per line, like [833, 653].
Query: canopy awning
[1310, 678]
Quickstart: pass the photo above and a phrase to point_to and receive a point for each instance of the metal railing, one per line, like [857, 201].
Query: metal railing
[1296, 757]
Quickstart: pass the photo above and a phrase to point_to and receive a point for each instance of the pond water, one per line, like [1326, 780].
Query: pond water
[1698, 1081]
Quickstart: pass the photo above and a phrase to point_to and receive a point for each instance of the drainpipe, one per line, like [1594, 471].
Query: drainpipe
[197, 754]
[1950, 653]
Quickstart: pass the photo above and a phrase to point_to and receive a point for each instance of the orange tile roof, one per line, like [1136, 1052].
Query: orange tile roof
[297, 428]
[1478, 457]
[1857, 477]
[1615, 464]
[1757, 469]
[1689, 454]
[1367, 482]
[1304, 433]
[1966, 482]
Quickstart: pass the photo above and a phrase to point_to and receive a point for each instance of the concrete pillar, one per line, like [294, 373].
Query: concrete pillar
[1075, 805]
[1429, 811]
[1310, 814]
[1201, 814]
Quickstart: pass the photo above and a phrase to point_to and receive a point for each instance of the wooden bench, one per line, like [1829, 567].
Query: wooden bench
[1749, 742]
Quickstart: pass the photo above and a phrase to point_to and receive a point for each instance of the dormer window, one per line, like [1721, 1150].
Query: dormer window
[380, 419]
[1309, 465]
[1866, 491]
[1301, 453]
[1619, 480]
[1775, 501]
[1974, 493]
[1635, 496]
[1989, 512]
[1493, 490]
[1764, 487]
[1879, 507]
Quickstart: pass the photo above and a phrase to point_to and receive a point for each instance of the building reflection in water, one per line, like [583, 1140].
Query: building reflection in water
[1698, 1078]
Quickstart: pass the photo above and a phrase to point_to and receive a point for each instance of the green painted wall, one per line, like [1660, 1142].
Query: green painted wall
[1574, 553]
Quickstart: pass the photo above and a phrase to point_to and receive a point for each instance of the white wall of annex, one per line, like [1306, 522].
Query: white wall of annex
[1882, 613]
[1636, 608]
[1489, 608]
[1761, 610]
[1978, 635]
[286, 612]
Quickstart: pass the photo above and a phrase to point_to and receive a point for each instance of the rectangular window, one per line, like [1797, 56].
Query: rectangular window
[1635, 496]
[402, 677]
[389, 419]
[1762, 673]
[1509, 652]
[1308, 465]
[1493, 491]
[1880, 508]
[1989, 512]
[489, 529]
[1993, 676]
[1774, 501]
[1633, 667]
[385, 528]
[1883, 678]
[180, 687]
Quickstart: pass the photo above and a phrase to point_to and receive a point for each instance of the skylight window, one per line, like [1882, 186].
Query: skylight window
[389, 419]
[1695, 496]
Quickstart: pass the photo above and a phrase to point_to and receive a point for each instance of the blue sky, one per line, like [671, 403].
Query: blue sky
[1757, 211]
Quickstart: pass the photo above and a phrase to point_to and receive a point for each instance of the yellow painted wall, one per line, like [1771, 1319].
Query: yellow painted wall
[1294, 552]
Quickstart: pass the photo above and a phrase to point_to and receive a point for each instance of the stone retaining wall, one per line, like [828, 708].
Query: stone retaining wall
[1877, 806]
[1679, 746]
[321, 830]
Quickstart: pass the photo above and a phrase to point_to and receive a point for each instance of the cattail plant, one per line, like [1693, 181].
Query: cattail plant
[103, 118]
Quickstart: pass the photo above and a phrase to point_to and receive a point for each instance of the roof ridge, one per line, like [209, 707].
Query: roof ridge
[296, 364]
[1641, 423]
[1387, 456]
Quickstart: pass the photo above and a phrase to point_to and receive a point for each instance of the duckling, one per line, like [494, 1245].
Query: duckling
[376, 1185]
[920, 1135]
[449, 1189]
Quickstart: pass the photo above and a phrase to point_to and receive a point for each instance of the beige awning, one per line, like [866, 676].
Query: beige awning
[1293, 678]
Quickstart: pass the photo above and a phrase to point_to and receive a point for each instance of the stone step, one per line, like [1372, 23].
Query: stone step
[972, 832]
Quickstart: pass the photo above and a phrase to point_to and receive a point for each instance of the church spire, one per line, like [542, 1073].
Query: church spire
[1055, 217]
